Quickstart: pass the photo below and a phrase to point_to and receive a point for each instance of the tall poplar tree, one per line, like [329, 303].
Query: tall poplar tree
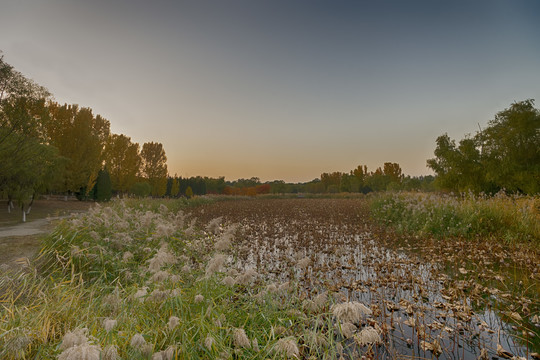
[123, 161]
[154, 167]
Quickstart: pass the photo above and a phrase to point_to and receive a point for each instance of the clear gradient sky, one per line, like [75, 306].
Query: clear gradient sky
[281, 89]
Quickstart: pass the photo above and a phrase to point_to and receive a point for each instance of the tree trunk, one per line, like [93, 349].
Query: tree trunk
[31, 203]
[23, 213]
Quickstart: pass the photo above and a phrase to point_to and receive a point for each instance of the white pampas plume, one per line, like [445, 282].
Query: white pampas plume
[138, 342]
[199, 298]
[161, 258]
[208, 342]
[348, 329]
[81, 352]
[110, 353]
[247, 277]
[215, 264]
[287, 347]
[240, 338]
[213, 225]
[74, 338]
[229, 281]
[160, 276]
[108, 324]
[173, 322]
[350, 311]
[368, 335]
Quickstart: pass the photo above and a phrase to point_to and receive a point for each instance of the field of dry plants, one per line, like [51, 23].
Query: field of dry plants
[266, 279]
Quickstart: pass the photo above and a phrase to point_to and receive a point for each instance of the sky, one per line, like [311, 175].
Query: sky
[281, 89]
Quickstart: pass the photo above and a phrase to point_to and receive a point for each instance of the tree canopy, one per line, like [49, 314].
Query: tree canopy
[505, 155]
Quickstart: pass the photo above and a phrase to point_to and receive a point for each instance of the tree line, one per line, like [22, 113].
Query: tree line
[47, 147]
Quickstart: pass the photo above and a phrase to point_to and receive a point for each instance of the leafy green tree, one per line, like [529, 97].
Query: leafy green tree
[28, 161]
[175, 187]
[154, 167]
[505, 155]
[80, 137]
[360, 173]
[123, 161]
[189, 192]
[377, 181]
[510, 148]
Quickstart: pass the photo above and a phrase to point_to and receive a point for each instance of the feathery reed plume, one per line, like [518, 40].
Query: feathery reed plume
[139, 294]
[368, 335]
[213, 225]
[198, 298]
[321, 299]
[247, 277]
[127, 256]
[110, 353]
[159, 295]
[73, 338]
[138, 342]
[164, 230]
[215, 264]
[315, 338]
[229, 281]
[173, 322]
[240, 338]
[255, 344]
[350, 311]
[81, 352]
[287, 346]
[208, 342]
[161, 258]
[160, 276]
[347, 329]
[108, 324]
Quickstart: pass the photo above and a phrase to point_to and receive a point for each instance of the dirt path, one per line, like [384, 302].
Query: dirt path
[21, 241]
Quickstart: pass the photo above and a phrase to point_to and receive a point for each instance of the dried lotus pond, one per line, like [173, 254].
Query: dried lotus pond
[428, 299]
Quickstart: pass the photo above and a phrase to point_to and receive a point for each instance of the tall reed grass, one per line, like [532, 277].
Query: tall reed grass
[509, 219]
[140, 280]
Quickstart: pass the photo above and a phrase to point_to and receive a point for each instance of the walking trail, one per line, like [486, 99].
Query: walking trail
[20, 242]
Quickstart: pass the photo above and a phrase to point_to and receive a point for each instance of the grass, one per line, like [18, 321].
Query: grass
[98, 267]
[507, 219]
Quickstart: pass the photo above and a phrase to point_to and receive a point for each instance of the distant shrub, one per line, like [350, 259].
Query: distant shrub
[141, 189]
[103, 189]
